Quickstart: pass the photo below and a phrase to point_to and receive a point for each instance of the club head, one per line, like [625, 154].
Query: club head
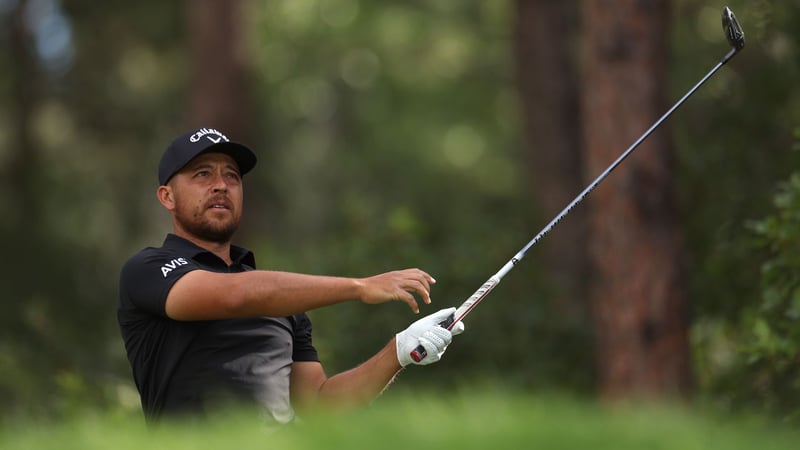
[733, 31]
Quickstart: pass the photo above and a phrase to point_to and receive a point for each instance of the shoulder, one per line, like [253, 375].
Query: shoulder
[161, 261]
[147, 277]
[151, 254]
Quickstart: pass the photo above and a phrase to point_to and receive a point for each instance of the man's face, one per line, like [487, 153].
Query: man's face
[207, 198]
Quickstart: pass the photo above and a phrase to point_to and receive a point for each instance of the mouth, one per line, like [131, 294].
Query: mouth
[219, 204]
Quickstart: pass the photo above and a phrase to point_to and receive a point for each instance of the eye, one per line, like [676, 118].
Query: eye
[202, 173]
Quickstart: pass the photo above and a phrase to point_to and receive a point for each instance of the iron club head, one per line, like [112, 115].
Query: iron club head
[733, 31]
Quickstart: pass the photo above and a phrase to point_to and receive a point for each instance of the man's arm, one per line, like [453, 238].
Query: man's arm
[360, 385]
[203, 295]
[355, 387]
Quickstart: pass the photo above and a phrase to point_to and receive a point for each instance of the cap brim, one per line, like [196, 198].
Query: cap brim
[244, 157]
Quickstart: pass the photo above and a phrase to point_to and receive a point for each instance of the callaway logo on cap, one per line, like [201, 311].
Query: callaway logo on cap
[203, 140]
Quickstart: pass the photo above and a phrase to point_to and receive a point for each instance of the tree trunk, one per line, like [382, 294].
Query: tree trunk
[545, 36]
[220, 96]
[23, 165]
[638, 292]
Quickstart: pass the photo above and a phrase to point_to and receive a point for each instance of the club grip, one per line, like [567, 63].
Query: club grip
[419, 353]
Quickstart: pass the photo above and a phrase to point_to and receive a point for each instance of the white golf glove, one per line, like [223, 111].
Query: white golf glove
[427, 333]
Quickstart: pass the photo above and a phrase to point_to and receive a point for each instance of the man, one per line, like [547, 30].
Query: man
[203, 328]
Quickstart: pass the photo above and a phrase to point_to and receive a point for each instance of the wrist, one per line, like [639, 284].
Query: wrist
[401, 354]
[359, 288]
[396, 352]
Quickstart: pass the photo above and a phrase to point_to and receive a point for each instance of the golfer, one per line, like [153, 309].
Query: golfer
[205, 330]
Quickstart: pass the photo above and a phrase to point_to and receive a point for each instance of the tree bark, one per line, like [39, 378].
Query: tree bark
[220, 96]
[638, 292]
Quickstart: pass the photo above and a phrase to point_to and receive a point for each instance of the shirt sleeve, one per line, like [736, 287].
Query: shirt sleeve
[146, 279]
[303, 348]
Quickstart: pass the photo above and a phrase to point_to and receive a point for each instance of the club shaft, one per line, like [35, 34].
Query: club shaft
[495, 279]
[478, 296]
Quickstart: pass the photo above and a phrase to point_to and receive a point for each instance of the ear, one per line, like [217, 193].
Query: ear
[166, 197]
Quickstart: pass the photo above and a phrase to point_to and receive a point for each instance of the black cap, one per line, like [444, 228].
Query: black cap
[203, 140]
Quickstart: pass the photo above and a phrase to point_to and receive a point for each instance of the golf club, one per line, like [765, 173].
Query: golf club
[735, 36]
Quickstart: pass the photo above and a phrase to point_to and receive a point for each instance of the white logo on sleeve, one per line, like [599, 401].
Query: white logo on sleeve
[168, 267]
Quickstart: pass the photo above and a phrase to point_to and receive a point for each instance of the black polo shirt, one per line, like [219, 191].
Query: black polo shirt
[182, 366]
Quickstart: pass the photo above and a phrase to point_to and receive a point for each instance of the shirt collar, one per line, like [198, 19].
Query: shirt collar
[239, 255]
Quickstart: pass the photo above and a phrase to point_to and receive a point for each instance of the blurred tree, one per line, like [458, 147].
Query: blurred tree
[18, 177]
[546, 56]
[219, 94]
[45, 317]
[21, 167]
[638, 291]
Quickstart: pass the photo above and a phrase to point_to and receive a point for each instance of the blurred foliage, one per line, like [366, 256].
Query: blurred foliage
[388, 137]
[394, 145]
[467, 417]
[735, 143]
[766, 371]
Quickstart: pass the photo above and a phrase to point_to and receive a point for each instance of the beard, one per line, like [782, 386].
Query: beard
[196, 224]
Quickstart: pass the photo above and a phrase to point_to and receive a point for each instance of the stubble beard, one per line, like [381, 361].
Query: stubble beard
[217, 231]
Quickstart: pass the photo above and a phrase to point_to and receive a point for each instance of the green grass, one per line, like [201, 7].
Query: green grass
[467, 420]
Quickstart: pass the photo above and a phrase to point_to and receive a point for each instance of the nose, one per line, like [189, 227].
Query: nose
[219, 184]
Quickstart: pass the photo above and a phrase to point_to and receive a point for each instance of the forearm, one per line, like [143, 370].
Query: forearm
[362, 384]
[202, 295]
[277, 294]
[358, 386]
